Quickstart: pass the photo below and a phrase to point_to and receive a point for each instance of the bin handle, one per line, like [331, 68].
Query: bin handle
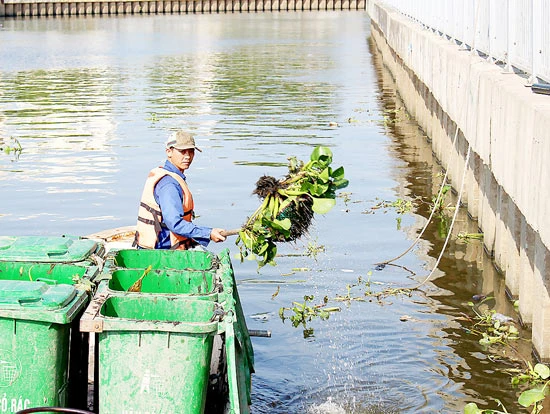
[48, 281]
[28, 301]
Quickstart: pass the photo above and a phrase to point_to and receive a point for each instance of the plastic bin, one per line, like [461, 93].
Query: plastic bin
[35, 325]
[163, 259]
[47, 265]
[154, 352]
[164, 281]
[53, 273]
[48, 249]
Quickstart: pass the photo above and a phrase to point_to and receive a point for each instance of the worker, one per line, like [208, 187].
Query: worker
[166, 208]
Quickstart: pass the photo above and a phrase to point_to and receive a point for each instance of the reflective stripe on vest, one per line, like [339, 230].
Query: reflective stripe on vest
[149, 224]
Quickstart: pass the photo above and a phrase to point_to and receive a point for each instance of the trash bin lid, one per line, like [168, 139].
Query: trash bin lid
[45, 249]
[26, 294]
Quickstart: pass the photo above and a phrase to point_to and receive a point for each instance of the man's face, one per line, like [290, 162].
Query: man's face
[182, 159]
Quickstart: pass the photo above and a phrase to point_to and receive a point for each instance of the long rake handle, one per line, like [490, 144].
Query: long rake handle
[233, 232]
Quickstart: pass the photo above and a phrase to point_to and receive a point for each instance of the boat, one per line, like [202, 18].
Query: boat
[167, 327]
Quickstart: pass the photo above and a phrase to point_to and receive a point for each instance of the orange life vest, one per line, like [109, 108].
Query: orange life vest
[149, 223]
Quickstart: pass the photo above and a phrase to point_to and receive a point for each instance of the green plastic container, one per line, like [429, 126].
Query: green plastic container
[47, 249]
[53, 273]
[163, 259]
[164, 281]
[154, 353]
[35, 327]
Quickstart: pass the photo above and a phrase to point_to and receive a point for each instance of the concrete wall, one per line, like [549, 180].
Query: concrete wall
[507, 127]
[37, 8]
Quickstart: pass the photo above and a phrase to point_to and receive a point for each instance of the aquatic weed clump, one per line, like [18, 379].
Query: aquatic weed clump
[288, 206]
[299, 211]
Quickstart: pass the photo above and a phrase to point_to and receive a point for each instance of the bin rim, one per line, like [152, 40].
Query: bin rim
[93, 321]
[135, 325]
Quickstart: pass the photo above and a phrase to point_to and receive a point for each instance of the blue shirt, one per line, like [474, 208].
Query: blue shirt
[169, 196]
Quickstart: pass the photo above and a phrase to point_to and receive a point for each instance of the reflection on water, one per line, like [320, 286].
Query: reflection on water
[92, 100]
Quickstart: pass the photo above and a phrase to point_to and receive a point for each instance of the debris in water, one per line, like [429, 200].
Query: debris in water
[478, 298]
[503, 319]
[261, 316]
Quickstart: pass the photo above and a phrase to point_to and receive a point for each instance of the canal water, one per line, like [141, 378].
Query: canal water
[91, 101]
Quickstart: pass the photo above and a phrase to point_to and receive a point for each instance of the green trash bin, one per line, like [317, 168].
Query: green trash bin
[61, 263]
[154, 352]
[35, 325]
[65, 249]
[161, 259]
[181, 282]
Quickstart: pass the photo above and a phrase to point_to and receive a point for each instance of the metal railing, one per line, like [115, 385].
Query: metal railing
[513, 33]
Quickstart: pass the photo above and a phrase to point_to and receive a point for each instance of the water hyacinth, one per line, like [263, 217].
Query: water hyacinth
[289, 205]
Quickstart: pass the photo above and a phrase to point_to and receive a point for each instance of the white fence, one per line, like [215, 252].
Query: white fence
[515, 33]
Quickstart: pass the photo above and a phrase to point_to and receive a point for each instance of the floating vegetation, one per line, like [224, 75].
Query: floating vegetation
[467, 237]
[400, 206]
[392, 116]
[289, 205]
[153, 117]
[313, 249]
[533, 375]
[368, 294]
[472, 408]
[537, 380]
[346, 197]
[13, 146]
[497, 329]
[494, 328]
[440, 206]
[302, 313]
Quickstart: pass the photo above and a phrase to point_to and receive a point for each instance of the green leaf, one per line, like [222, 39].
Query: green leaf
[472, 408]
[323, 205]
[530, 397]
[325, 175]
[271, 252]
[317, 190]
[338, 173]
[247, 240]
[321, 153]
[542, 370]
[340, 183]
[257, 226]
[282, 224]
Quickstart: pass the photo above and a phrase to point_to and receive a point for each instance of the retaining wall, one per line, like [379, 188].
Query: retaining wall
[507, 126]
[26, 8]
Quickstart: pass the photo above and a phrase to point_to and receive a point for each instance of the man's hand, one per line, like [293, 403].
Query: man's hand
[216, 235]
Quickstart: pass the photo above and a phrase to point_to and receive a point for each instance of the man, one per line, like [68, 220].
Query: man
[166, 208]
